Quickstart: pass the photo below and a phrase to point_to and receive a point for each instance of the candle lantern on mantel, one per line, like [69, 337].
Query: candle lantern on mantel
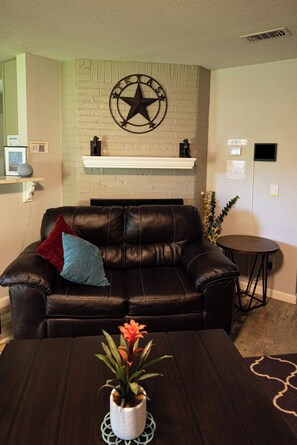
[184, 149]
[95, 146]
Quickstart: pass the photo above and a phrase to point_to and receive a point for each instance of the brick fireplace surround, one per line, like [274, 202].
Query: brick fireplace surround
[86, 87]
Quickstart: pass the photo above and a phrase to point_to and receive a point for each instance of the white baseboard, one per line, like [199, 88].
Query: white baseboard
[288, 298]
[271, 293]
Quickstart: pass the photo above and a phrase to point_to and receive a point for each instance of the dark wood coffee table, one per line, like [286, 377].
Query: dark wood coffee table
[49, 393]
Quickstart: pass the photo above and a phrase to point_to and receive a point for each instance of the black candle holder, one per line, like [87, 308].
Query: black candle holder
[184, 149]
[95, 146]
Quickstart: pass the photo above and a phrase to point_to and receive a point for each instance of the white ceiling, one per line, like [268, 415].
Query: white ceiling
[195, 32]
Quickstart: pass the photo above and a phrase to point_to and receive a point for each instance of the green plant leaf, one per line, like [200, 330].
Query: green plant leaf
[106, 360]
[156, 360]
[145, 353]
[108, 354]
[134, 387]
[135, 346]
[150, 375]
[106, 385]
[106, 349]
[122, 374]
[123, 341]
[112, 382]
[113, 348]
[136, 375]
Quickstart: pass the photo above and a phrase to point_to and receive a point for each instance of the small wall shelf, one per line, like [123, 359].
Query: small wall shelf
[138, 162]
[29, 184]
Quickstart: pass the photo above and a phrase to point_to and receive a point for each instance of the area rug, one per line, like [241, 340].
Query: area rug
[278, 375]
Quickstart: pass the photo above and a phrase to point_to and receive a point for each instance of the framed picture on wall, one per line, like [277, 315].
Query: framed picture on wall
[13, 157]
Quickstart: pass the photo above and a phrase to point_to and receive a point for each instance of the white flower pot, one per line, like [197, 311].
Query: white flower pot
[127, 423]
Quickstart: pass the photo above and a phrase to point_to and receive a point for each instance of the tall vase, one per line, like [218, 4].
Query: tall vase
[127, 423]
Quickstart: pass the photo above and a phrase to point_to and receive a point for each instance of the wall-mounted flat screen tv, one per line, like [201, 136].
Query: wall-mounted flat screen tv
[265, 152]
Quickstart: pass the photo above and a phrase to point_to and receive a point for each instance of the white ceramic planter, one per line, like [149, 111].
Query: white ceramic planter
[127, 423]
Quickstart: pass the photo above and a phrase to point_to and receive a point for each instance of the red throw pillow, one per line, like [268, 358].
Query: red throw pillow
[51, 248]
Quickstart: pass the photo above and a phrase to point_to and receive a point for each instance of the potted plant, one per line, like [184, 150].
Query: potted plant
[129, 363]
[212, 224]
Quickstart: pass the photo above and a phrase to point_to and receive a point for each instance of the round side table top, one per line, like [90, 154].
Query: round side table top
[247, 244]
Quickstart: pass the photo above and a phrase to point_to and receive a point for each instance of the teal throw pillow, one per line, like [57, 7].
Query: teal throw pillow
[82, 262]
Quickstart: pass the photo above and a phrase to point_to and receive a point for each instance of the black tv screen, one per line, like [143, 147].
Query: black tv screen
[265, 152]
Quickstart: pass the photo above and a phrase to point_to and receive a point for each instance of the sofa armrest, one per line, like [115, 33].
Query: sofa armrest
[30, 269]
[205, 263]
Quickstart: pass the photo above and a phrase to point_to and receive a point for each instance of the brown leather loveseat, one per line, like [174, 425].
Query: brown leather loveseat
[160, 270]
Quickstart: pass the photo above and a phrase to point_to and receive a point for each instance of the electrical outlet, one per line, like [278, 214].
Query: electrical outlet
[271, 263]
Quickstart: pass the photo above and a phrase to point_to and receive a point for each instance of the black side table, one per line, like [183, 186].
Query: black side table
[260, 248]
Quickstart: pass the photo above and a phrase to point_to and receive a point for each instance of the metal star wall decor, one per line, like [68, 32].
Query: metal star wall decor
[138, 103]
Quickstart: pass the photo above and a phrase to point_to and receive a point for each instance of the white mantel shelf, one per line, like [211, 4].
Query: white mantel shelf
[29, 184]
[138, 162]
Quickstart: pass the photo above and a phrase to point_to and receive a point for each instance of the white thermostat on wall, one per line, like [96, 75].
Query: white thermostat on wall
[237, 141]
[38, 147]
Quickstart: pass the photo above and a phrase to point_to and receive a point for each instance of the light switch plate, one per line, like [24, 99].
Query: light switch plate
[235, 151]
[274, 190]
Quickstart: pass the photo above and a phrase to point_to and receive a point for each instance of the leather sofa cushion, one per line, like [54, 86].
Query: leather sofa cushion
[79, 327]
[161, 291]
[101, 226]
[157, 235]
[79, 301]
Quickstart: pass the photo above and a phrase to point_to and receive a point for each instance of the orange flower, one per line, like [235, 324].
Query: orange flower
[131, 331]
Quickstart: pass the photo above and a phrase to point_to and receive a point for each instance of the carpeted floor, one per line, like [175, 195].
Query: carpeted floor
[278, 375]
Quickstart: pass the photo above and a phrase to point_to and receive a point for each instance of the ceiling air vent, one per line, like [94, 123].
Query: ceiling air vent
[265, 35]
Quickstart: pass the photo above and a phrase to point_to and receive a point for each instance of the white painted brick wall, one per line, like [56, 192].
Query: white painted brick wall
[87, 85]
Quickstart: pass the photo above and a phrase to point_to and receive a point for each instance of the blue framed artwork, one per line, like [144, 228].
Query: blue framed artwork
[13, 157]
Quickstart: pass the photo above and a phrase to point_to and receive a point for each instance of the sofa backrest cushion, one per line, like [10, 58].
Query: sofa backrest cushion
[157, 235]
[132, 236]
[101, 226]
